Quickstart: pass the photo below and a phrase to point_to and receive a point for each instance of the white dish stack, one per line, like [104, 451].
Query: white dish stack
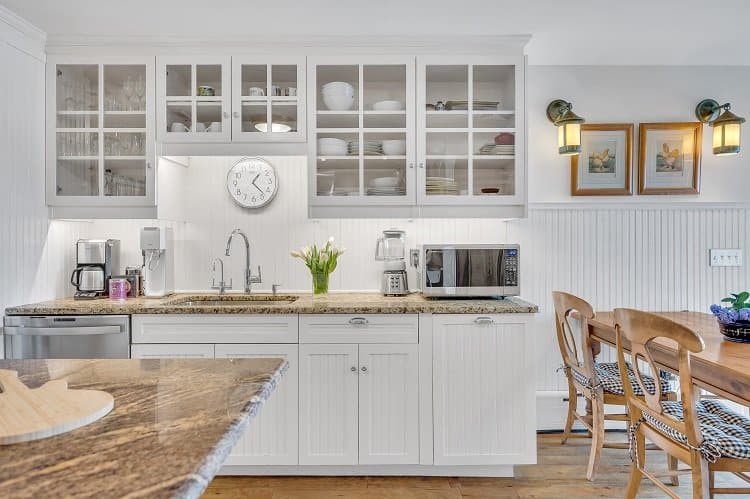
[338, 96]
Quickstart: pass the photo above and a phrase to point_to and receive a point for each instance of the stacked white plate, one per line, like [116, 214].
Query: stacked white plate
[498, 150]
[441, 186]
[328, 146]
[371, 148]
[478, 105]
[338, 95]
[386, 186]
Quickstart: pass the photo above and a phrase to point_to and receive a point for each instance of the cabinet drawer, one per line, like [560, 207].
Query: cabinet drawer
[359, 328]
[200, 328]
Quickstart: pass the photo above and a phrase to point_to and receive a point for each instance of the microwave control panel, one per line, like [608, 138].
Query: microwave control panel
[511, 268]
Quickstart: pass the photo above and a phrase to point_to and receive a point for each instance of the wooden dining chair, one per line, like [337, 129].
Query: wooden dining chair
[599, 383]
[702, 433]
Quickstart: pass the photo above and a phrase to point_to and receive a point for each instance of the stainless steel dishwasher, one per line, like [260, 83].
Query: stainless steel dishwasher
[67, 336]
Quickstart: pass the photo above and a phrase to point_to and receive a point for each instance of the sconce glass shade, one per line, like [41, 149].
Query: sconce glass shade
[727, 126]
[568, 126]
[726, 139]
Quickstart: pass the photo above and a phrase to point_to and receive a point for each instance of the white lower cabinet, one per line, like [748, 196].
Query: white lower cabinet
[358, 404]
[483, 390]
[172, 351]
[271, 438]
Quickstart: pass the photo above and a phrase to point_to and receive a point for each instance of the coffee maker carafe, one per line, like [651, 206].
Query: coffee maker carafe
[391, 250]
[96, 261]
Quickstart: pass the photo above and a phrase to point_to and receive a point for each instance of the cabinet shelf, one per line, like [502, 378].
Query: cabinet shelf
[77, 113]
[124, 113]
[78, 158]
[125, 158]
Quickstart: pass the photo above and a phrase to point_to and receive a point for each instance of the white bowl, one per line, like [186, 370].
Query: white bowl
[338, 102]
[338, 86]
[388, 105]
[385, 182]
[332, 147]
[394, 147]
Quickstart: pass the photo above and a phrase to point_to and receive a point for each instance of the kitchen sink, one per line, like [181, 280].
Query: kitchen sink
[233, 300]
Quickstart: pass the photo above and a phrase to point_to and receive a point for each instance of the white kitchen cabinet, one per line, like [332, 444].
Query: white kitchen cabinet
[388, 404]
[172, 351]
[214, 328]
[359, 404]
[279, 114]
[483, 390]
[183, 114]
[235, 113]
[362, 176]
[271, 438]
[328, 401]
[100, 136]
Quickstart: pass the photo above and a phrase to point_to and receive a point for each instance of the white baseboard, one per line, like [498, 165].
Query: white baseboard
[552, 409]
[502, 471]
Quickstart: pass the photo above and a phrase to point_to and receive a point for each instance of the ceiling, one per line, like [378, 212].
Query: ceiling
[650, 32]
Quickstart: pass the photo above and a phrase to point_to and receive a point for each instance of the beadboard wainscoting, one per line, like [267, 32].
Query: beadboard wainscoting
[653, 258]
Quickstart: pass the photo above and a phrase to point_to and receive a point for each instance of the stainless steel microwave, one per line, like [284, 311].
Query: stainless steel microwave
[463, 270]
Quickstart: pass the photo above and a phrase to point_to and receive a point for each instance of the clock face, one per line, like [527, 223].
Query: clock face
[252, 182]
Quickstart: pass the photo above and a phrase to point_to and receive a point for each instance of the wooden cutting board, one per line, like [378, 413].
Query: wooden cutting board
[30, 414]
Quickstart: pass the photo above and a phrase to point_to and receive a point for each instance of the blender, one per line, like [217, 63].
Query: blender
[391, 250]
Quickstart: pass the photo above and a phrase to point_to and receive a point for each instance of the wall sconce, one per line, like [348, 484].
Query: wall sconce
[726, 126]
[568, 126]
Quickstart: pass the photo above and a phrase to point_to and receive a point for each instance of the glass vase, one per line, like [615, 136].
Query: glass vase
[320, 283]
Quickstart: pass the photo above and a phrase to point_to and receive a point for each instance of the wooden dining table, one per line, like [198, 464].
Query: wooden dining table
[722, 368]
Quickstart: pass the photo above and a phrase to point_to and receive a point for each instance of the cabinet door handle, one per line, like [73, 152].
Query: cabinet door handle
[226, 115]
[484, 320]
[364, 369]
[358, 321]
[236, 114]
[148, 165]
[411, 166]
[421, 165]
[353, 369]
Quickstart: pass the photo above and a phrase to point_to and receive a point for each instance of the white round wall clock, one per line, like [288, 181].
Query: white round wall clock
[252, 182]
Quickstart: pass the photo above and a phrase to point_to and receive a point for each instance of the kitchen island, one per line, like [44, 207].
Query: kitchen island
[173, 424]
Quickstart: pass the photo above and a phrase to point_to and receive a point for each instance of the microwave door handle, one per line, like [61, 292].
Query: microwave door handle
[61, 331]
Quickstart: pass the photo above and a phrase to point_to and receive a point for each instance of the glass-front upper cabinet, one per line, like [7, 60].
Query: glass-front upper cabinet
[470, 131]
[100, 132]
[362, 148]
[194, 95]
[268, 99]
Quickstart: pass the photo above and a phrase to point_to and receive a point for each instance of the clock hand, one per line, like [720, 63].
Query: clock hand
[256, 186]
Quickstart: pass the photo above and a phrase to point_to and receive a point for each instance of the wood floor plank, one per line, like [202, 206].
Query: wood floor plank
[560, 474]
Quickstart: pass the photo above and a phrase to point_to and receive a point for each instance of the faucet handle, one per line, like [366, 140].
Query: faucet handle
[275, 288]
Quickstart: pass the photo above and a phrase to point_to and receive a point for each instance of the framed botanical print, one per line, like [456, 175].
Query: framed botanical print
[669, 158]
[604, 166]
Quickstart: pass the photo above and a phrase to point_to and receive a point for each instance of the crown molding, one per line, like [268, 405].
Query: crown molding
[637, 204]
[21, 34]
[310, 43]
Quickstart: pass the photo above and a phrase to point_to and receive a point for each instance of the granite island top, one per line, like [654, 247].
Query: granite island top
[332, 303]
[173, 424]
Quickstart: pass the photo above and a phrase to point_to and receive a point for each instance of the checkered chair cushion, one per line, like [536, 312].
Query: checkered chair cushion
[609, 376]
[725, 433]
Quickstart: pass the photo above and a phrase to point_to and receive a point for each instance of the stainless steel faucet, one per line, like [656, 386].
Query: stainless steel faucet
[250, 279]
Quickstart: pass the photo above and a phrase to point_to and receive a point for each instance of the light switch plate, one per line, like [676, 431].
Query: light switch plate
[725, 257]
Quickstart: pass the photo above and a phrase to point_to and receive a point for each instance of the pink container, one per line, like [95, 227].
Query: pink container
[118, 288]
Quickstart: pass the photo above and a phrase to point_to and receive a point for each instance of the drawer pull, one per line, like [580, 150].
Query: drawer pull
[484, 320]
[358, 321]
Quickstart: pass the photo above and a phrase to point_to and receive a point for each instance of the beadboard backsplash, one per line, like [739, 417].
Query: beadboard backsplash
[649, 258]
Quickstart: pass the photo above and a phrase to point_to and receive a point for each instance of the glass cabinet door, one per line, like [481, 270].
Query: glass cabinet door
[363, 140]
[268, 99]
[77, 128]
[194, 95]
[99, 148]
[467, 133]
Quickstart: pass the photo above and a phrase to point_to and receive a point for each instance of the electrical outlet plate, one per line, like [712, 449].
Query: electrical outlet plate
[725, 257]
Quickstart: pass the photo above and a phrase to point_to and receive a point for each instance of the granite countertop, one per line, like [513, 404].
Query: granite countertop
[173, 425]
[332, 303]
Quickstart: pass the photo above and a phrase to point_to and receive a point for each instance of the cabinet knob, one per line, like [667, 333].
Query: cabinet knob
[236, 114]
[353, 369]
[364, 369]
[421, 165]
[411, 166]
[226, 115]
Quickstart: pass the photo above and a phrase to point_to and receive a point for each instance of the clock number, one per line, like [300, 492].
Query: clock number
[262, 197]
[239, 192]
[238, 175]
[253, 199]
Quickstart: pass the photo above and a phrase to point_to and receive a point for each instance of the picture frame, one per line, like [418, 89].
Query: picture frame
[605, 165]
[669, 158]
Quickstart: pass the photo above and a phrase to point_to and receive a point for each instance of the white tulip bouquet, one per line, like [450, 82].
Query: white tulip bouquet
[321, 262]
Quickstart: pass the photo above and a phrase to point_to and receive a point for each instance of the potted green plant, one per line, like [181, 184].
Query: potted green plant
[734, 317]
[321, 262]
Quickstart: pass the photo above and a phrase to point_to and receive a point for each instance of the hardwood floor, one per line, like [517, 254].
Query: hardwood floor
[560, 473]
